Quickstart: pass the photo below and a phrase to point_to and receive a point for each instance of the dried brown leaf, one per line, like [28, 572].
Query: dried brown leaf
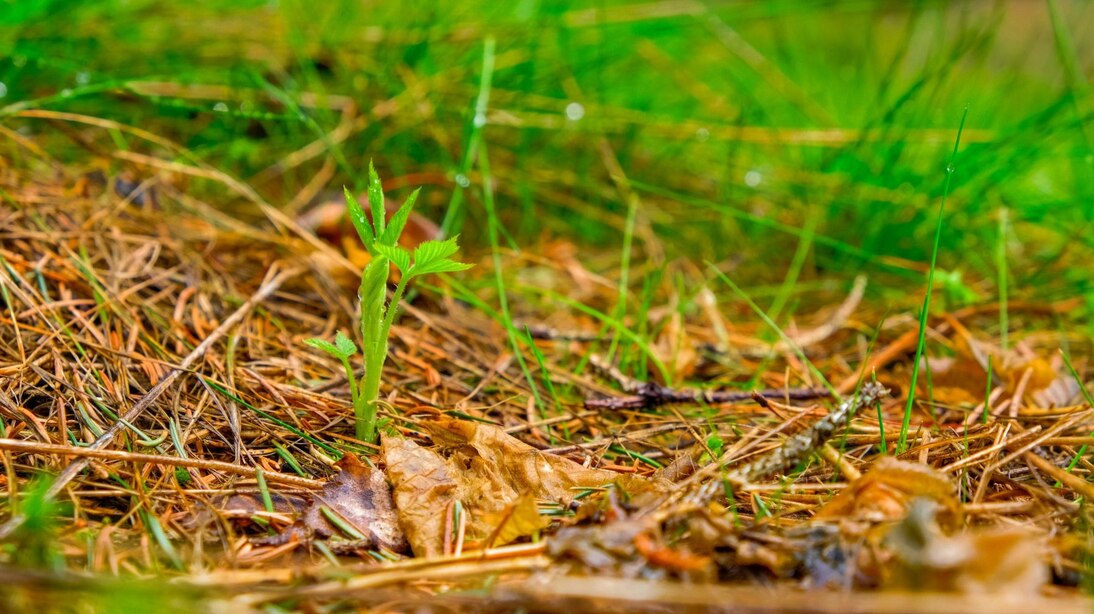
[424, 488]
[359, 496]
[508, 463]
[493, 475]
[986, 561]
[884, 493]
[520, 519]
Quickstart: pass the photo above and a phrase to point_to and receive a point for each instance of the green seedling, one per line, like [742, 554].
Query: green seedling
[381, 238]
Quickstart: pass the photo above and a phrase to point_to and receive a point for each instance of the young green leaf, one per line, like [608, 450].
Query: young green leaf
[376, 199]
[377, 314]
[443, 265]
[373, 292]
[344, 344]
[360, 222]
[430, 251]
[398, 221]
[326, 346]
[396, 254]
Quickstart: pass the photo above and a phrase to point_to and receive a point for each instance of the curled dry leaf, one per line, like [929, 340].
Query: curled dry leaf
[515, 521]
[423, 489]
[676, 559]
[956, 381]
[782, 562]
[885, 491]
[354, 511]
[986, 561]
[626, 548]
[960, 379]
[493, 454]
[497, 478]
[630, 546]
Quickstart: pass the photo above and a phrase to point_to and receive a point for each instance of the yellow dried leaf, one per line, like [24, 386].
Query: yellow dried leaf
[884, 493]
[522, 468]
[422, 488]
[520, 519]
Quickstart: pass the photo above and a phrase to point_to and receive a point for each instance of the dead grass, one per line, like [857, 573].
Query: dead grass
[191, 326]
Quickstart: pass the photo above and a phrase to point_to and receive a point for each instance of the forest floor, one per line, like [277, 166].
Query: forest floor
[775, 306]
[165, 421]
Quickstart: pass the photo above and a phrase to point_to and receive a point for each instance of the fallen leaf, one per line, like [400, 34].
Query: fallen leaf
[354, 508]
[496, 456]
[629, 547]
[520, 519]
[960, 379]
[497, 478]
[423, 489]
[605, 549]
[985, 561]
[885, 491]
[676, 559]
[781, 562]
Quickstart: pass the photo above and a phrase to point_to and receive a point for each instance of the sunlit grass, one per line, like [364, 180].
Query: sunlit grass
[736, 126]
[924, 312]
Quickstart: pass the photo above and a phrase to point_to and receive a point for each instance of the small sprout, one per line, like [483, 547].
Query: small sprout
[381, 238]
[716, 445]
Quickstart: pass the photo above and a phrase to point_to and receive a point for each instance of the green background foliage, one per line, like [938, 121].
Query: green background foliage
[748, 131]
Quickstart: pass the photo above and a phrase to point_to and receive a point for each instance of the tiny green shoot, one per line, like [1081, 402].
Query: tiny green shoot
[381, 237]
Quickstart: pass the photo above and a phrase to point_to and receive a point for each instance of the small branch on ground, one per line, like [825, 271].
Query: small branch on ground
[651, 394]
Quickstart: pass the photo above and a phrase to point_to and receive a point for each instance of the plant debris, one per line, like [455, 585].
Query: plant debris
[168, 387]
[354, 512]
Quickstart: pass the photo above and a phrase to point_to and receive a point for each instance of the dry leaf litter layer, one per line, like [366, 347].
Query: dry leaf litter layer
[152, 361]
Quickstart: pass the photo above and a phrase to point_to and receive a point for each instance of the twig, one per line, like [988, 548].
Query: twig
[546, 333]
[796, 449]
[651, 394]
[504, 560]
[33, 447]
[616, 438]
[562, 594]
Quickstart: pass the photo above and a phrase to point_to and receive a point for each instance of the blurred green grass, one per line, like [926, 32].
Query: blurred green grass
[802, 135]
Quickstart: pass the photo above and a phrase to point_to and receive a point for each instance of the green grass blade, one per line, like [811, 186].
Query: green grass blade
[902, 441]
